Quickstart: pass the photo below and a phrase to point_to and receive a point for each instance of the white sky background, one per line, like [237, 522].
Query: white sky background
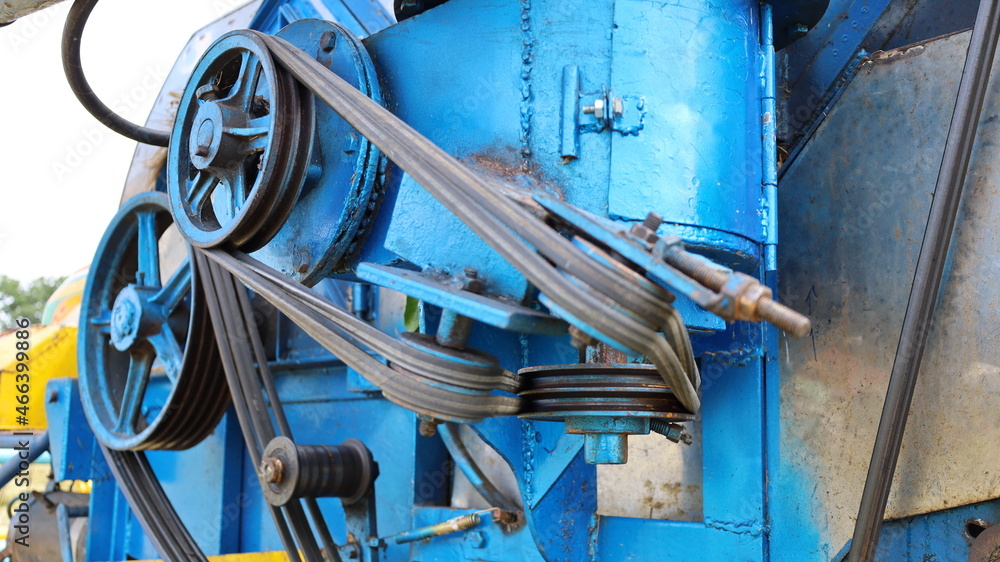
[62, 172]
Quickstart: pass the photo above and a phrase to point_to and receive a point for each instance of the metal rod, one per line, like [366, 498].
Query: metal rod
[11, 441]
[927, 279]
[37, 444]
[479, 480]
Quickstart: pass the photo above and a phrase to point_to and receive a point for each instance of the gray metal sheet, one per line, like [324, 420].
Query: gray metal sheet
[852, 209]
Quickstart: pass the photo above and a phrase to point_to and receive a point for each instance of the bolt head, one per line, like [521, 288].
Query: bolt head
[617, 107]
[328, 41]
[476, 539]
[652, 221]
[428, 427]
[272, 470]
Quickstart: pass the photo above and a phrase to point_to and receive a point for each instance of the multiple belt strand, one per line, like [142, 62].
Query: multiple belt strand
[543, 255]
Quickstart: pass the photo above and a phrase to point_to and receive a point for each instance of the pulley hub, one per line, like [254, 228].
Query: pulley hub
[133, 316]
[207, 135]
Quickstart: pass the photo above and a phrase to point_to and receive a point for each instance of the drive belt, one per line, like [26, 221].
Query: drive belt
[151, 506]
[596, 295]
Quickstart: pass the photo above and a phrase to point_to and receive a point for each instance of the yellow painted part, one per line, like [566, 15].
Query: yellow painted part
[279, 556]
[52, 354]
[63, 307]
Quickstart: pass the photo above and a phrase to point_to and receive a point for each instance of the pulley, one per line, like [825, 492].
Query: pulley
[149, 368]
[605, 403]
[257, 165]
[240, 146]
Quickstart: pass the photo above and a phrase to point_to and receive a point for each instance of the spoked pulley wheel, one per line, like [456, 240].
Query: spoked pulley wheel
[240, 147]
[150, 376]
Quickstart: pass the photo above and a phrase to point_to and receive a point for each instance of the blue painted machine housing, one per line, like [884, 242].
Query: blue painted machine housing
[492, 92]
[685, 127]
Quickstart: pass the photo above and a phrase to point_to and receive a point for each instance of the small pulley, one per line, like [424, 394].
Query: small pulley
[239, 150]
[605, 403]
[149, 367]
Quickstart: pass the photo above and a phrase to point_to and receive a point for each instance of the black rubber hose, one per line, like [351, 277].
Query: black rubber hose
[927, 279]
[72, 32]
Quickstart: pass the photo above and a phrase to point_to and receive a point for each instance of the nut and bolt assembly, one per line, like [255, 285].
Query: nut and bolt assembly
[752, 301]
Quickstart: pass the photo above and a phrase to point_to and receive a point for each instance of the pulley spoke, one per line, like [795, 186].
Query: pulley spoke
[254, 135]
[102, 323]
[137, 379]
[200, 191]
[148, 274]
[175, 289]
[168, 351]
[237, 193]
[246, 83]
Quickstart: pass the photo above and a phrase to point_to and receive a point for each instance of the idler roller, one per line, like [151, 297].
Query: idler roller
[291, 471]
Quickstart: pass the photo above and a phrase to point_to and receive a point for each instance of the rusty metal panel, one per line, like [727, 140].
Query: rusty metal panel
[662, 480]
[853, 208]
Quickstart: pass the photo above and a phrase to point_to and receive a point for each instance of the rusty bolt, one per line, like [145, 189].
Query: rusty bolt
[472, 282]
[272, 469]
[328, 41]
[428, 427]
[642, 232]
[672, 431]
[53, 395]
[747, 293]
[201, 150]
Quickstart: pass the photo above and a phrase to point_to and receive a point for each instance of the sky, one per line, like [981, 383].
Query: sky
[62, 172]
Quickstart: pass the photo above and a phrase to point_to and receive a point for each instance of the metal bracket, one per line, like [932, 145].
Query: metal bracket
[503, 315]
[623, 114]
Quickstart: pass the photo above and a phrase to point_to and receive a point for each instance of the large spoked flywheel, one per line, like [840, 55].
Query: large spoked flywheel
[149, 369]
[240, 148]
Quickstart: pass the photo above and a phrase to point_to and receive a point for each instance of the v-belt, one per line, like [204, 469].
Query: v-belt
[415, 379]
[539, 252]
[151, 506]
